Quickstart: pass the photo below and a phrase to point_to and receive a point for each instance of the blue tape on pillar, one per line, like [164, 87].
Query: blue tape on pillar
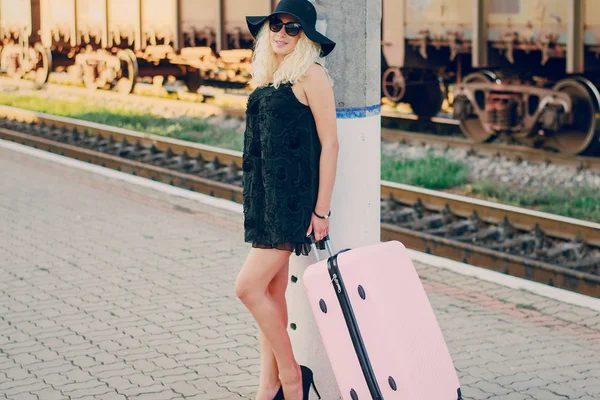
[359, 112]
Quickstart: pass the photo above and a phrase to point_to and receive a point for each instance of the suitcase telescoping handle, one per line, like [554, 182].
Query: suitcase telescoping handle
[327, 241]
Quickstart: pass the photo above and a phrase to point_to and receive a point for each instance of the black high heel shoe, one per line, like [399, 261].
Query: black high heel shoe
[307, 380]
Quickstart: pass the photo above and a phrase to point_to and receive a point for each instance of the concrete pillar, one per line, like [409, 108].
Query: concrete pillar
[354, 65]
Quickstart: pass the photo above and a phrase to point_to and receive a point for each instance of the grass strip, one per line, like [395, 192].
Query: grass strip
[185, 128]
[431, 172]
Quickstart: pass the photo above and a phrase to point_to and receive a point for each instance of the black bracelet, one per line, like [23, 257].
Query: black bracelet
[323, 217]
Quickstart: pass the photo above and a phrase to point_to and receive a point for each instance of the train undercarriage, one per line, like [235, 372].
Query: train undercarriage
[19, 59]
[562, 117]
[119, 68]
[526, 98]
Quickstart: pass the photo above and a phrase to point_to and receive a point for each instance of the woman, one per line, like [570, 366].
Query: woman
[289, 163]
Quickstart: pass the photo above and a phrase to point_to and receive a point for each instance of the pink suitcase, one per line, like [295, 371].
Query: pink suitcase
[380, 333]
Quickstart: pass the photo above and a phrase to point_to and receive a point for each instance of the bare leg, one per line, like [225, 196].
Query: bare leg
[252, 287]
[269, 371]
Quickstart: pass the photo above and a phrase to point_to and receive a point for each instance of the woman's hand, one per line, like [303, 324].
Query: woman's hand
[320, 227]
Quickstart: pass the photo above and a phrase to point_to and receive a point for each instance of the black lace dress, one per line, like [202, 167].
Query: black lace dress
[280, 170]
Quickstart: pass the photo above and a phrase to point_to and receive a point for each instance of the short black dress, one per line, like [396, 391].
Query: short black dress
[280, 170]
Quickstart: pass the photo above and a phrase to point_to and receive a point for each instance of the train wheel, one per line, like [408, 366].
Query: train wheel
[592, 89]
[128, 74]
[393, 84]
[470, 124]
[44, 65]
[426, 99]
[579, 136]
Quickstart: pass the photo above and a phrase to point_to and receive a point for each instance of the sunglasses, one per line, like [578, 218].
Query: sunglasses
[291, 28]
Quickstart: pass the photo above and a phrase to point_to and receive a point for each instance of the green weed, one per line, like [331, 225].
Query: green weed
[184, 128]
[431, 172]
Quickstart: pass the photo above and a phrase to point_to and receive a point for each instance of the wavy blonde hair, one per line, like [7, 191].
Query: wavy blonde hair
[293, 67]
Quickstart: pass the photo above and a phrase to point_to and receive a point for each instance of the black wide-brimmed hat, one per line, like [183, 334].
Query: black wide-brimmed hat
[305, 13]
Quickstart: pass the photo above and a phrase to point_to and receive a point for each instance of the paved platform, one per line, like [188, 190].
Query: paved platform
[110, 290]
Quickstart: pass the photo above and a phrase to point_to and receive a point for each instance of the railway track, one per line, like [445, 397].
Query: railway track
[396, 127]
[553, 250]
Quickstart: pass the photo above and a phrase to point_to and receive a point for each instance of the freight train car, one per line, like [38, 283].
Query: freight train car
[198, 41]
[110, 43]
[529, 69]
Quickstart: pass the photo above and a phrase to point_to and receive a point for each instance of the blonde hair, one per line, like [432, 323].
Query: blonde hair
[293, 67]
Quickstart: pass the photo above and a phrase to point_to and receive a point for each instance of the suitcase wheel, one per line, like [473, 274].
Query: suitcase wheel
[353, 395]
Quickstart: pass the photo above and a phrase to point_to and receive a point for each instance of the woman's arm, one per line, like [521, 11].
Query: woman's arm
[319, 95]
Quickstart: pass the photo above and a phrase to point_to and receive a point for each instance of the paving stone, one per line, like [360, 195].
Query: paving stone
[119, 383]
[165, 362]
[146, 366]
[56, 379]
[141, 379]
[49, 394]
[183, 388]
[104, 358]
[78, 375]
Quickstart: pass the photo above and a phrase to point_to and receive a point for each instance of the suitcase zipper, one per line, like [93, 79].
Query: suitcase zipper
[359, 346]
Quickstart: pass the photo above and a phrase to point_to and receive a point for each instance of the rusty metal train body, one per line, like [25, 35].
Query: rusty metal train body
[526, 68]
